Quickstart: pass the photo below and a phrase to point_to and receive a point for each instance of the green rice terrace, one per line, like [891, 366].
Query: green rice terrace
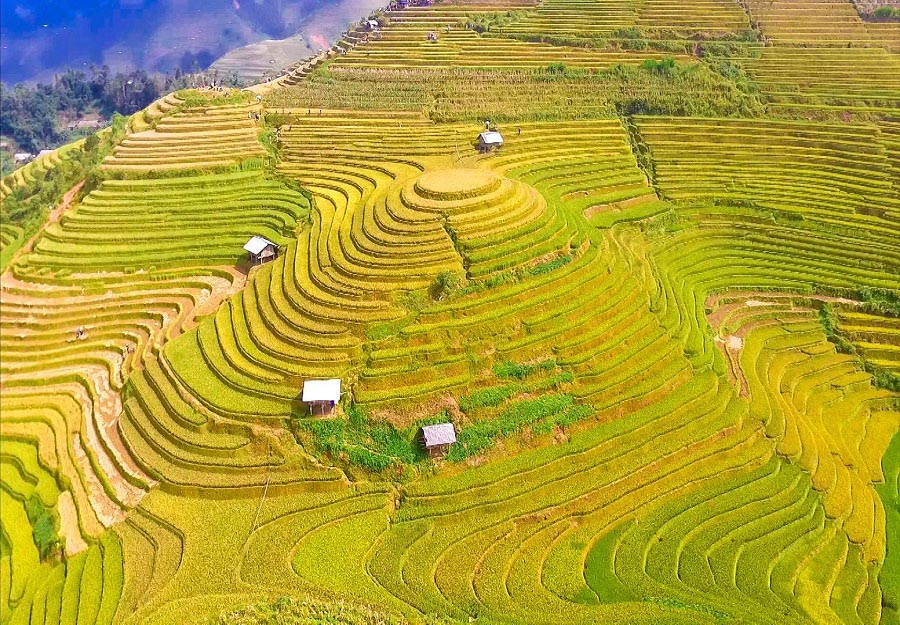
[325, 351]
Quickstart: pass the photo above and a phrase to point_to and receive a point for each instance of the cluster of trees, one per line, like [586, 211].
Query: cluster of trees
[34, 116]
[28, 205]
[886, 14]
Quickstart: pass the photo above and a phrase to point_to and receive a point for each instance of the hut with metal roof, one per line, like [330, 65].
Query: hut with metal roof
[490, 140]
[260, 250]
[321, 396]
[436, 439]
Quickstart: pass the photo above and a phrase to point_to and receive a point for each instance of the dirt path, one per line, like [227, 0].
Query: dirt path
[55, 215]
[68, 524]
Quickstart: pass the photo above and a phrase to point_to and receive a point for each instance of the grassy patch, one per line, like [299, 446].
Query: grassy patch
[374, 446]
[546, 411]
[521, 371]
[599, 570]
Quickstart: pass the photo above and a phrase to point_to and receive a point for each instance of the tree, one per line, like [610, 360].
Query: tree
[43, 527]
[445, 284]
[886, 13]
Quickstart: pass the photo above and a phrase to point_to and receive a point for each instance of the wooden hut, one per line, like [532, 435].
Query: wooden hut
[437, 438]
[321, 396]
[260, 250]
[490, 140]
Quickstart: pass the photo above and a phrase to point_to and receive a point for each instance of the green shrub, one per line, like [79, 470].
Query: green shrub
[488, 397]
[520, 372]
[547, 267]
[882, 378]
[665, 67]
[556, 68]
[446, 284]
[886, 13]
[881, 301]
[44, 527]
[372, 461]
[372, 445]
[486, 22]
[480, 436]
[632, 32]
[547, 410]
[828, 319]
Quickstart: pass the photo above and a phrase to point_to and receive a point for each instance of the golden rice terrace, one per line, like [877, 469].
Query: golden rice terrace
[500, 312]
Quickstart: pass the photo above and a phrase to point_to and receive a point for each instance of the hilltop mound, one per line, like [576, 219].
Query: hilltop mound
[447, 185]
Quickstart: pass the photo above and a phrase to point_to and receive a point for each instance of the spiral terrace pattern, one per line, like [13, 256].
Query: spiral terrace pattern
[647, 330]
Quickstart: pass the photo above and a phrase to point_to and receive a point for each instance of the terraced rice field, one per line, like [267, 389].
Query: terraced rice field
[864, 76]
[874, 336]
[405, 45]
[30, 173]
[606, 18]
[11, 236]
[828, 22]
[668, 341]
[193, 138]
[129, 225]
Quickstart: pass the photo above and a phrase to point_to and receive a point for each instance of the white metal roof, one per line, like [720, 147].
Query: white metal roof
[322, 390]
[257, 244]
[440, 434]
[491, 137]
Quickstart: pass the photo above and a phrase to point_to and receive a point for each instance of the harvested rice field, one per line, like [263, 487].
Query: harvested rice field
[503, 312]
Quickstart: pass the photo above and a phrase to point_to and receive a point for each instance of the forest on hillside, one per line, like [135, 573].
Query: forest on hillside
[36, 117]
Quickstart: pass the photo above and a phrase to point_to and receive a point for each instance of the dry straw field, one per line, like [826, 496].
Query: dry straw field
[664, 319]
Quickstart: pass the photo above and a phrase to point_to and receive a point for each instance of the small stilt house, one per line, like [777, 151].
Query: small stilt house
[260, 250]
[490, 140]
[437, 438]
[321, 396]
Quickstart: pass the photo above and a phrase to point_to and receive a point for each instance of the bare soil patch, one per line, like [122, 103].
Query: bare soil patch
[68, 524]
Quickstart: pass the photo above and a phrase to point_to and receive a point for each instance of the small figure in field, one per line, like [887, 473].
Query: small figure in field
[520, 131]
[320, 112]
[309, 111]
[80, 333]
